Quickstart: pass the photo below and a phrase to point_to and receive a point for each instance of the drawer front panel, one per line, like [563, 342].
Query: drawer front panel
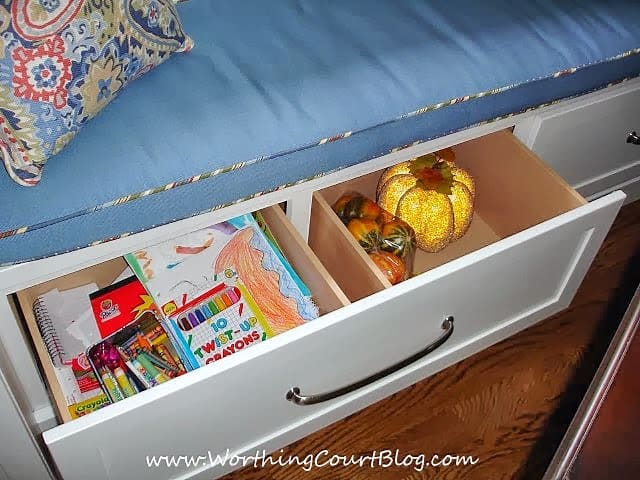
[240, 404]
[587, 144]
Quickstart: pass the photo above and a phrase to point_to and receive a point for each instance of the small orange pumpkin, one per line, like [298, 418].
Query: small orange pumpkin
[340, 207]
[366, 231]
[397, 237]
[391, 266]
[354, 205]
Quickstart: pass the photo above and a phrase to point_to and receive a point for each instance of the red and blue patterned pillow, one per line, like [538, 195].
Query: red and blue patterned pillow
[62, 61]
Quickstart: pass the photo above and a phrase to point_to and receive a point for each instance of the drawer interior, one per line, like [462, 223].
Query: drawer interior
[326, 293]
[103, 275]
[514, 191]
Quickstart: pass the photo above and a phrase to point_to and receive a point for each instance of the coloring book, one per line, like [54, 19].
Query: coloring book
[176, 271]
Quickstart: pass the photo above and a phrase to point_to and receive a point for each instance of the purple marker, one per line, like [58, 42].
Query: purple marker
[193, 320]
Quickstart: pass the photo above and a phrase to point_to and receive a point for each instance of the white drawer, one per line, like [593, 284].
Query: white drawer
[585, 141]
[521, 262]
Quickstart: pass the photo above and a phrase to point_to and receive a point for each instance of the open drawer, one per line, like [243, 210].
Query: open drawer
[515, 191]
[325, 291]
[502, 277]
[69, 443]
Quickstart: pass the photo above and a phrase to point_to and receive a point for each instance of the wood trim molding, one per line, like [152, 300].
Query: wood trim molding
[587, 412]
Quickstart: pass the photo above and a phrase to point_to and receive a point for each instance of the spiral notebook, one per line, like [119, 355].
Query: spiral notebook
[66, 323]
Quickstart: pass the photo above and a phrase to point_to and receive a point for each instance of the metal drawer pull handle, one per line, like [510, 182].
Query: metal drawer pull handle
[293, 395]
[633, 138]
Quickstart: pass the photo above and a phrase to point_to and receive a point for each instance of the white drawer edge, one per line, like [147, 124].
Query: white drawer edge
[630, 187]
[590, 99]
[202, 374]
[620, 171]
[44, 418]
[20, 454]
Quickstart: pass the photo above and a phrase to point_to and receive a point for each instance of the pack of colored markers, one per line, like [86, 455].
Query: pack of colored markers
[219, 321]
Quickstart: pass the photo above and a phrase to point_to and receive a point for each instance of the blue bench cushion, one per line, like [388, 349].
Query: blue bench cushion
[282, 91]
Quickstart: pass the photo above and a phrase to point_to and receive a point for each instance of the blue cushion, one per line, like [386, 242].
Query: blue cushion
[269, 82]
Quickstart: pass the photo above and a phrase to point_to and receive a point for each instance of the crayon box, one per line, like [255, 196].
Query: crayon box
[219, 321]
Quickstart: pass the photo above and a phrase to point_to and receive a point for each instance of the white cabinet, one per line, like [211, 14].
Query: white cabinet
[530, 245]
[585, 141]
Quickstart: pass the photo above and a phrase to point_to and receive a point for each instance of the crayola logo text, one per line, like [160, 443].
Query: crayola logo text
[108, 310]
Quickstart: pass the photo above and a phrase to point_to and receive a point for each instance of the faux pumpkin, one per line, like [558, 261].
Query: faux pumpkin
[433, 195]
[354, 205]
[344, 202]
[366, 231]
[389, 241]
[397, 237]
[391, 266]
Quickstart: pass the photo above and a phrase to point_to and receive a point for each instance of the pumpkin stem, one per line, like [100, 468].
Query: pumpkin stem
[432, 173]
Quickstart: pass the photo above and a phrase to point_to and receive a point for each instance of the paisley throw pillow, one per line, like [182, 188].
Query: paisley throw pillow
[62, 61]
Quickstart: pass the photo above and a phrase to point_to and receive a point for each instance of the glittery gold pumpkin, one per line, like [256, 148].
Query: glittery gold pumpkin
[433, 195]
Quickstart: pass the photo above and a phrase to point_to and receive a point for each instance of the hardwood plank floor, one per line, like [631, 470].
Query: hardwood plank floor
[508, 405]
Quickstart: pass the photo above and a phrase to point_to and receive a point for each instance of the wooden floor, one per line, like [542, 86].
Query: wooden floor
[508, 406]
